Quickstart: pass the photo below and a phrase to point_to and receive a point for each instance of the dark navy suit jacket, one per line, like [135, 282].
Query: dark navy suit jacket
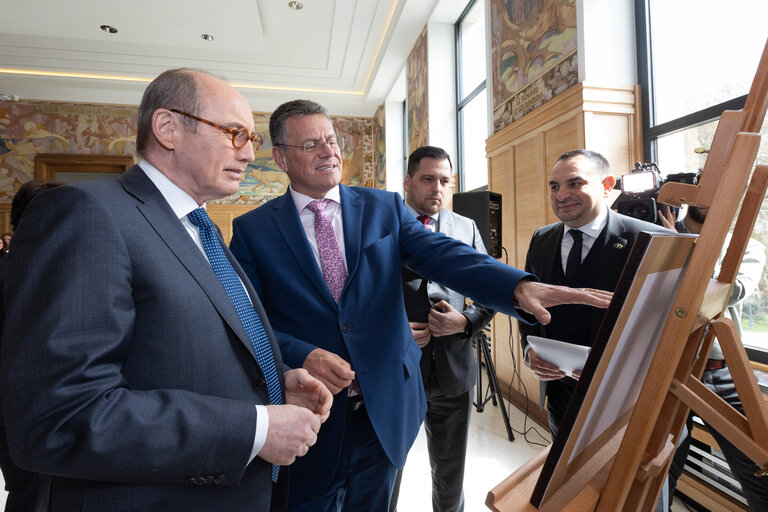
[126, 372]
[368, 327]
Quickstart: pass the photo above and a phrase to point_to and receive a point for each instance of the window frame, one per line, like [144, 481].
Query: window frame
[462, 101]
[652, 131]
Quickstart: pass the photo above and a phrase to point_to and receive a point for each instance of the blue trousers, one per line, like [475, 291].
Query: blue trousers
[364, 476]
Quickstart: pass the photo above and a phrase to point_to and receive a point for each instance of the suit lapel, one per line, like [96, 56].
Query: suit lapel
[352, 207]
[287, 222]
[551, 253]
[611, 257]
[161, 217]
[445, 224]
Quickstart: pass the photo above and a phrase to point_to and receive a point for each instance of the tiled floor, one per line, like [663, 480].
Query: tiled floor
[491, 458]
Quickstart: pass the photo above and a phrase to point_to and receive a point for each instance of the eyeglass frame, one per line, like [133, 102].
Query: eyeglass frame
[253, 137]
[317, 145]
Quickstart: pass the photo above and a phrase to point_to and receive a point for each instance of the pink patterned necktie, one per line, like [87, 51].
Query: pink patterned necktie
[331, 261]
[424, 219]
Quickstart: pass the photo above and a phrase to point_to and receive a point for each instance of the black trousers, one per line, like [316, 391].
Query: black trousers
[447, 428]
[558, 395]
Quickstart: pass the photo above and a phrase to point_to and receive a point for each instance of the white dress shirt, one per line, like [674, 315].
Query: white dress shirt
[590, 232]
[431, 223]
[182, 204]
[307, 217]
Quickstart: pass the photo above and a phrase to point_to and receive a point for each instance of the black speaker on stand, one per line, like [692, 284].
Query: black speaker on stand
[484, 207]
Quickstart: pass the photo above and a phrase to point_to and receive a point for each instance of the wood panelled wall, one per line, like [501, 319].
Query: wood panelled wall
[520, 158]
[223, 215]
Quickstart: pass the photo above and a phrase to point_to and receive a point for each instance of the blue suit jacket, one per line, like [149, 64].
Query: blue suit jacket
[126, 372]
[368, 327]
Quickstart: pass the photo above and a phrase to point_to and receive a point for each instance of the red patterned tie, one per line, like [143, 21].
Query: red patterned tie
[424, 219]
[331, 261]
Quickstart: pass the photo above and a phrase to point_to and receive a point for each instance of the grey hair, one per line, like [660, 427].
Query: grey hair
[294, 108]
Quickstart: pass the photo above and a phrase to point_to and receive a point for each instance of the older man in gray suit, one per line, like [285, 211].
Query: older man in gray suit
[442, 324]
[138, 366]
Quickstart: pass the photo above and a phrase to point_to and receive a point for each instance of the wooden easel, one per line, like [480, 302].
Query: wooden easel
[627, 467]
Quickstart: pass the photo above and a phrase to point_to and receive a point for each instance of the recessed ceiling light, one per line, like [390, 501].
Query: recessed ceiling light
[296, 6]
[108, 29]
[207, 37]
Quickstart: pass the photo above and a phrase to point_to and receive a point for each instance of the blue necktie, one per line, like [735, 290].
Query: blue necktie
[250, 320]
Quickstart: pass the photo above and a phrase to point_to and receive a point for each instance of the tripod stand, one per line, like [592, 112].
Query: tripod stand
[494, 390]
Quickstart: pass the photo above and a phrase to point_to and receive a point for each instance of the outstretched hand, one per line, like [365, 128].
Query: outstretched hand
[534, 297]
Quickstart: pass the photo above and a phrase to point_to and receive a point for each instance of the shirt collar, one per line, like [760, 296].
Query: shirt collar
[181, 203]
[301, 201]
[593, 228]
[416, 214]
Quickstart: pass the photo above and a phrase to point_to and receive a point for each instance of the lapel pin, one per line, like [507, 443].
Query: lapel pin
[618, 245]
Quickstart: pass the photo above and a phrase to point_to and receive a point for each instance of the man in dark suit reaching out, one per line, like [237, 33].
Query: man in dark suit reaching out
[138, 366]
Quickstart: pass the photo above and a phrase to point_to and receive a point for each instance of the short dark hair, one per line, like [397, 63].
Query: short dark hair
[294, 108]
[25, 194]
[426, 152]
[175, 88]
[600, 162]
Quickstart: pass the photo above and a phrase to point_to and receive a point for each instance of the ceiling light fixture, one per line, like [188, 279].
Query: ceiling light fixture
[296, 6]
[109, 29]
[207, 37]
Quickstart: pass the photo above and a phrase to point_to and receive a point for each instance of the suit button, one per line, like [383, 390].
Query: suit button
[346, 328]
[260, 383]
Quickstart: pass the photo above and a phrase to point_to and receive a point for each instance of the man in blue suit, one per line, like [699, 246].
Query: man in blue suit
[130, 373]
[335, 299]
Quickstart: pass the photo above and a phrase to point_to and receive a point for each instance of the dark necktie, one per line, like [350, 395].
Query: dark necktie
[424, 219]
[250, 320]
[331, 260]
[574, 257]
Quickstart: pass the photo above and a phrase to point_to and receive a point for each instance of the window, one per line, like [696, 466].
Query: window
[471, 100]
[697, 58]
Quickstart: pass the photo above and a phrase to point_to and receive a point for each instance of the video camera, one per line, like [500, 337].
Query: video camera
[640, 189]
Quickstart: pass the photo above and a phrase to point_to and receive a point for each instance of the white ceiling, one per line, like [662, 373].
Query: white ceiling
[346, 54]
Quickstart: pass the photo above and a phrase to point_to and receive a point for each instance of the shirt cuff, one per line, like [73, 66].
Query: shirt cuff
[262, 425]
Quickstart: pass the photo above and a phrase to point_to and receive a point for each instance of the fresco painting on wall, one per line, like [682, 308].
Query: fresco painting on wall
[28, 128]
[380, 140]
[417, 100]
[533, 54]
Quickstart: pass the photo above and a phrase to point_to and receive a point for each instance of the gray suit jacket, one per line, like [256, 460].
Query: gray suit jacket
[454, 359]
[126, 372]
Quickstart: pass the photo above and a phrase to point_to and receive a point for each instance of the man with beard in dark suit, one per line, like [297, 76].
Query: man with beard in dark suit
[587, 248]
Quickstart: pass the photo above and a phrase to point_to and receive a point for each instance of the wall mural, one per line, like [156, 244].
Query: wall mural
[416, 94]
[533, 55]
[31, 127]
[380, 149]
